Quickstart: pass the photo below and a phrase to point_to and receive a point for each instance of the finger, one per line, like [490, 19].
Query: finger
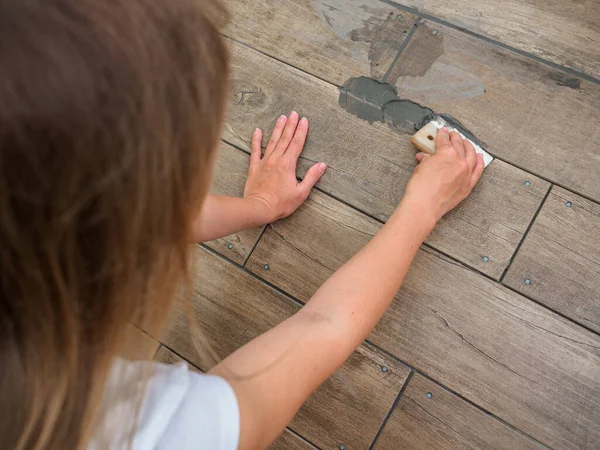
[477, 171]
[276, 135]
[312, 176]
[288, 134]
[423, 156]
[443, 139]
[298, 141]
[256, 146]
[457, 143]
[470, 154]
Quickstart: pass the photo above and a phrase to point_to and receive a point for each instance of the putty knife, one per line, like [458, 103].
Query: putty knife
[424, 139]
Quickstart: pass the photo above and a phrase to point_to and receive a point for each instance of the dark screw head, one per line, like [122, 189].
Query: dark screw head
[527, 281]
[569, 204]
[429, 395]
[384, 369]
[528, 183]
[342, 447]
[229, 246]
[266, 266]
[486, 259]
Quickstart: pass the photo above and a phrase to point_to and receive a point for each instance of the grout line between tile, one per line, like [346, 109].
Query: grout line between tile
[496, 156]
[518, 247]
[425, 244]
[377, 347]
[499, 158]
[401, 49]
[500, 44]
[160, 344]
[456, 394]
[258, 238]
[279, 60]
[178, 355]
[391, 411]
[303, 438]
[253, 275]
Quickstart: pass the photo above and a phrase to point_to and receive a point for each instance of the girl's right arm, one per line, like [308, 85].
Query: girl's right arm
[274, 374]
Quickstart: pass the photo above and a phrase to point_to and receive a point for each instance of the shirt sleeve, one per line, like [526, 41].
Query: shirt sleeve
[180, 409]
[207, 418]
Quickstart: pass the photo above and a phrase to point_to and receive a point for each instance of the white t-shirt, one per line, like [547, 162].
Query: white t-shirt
[181, 409]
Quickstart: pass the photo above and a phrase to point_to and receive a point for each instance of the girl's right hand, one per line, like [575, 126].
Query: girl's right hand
[442, 180]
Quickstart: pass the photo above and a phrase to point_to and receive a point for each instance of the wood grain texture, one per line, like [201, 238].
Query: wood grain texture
[445, 421]
[291, 441]
[303, 251]
[166, 356]
[332, 39]
[561, 257]
[566, 33]
[231, 307]
[530, 115]
[138, 345]
[369, 165]
[516, 359]
[229, 178]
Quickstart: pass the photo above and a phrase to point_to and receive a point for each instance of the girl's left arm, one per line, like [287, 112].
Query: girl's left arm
[272, 190]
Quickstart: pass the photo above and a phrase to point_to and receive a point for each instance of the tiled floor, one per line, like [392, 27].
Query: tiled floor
[492, 342]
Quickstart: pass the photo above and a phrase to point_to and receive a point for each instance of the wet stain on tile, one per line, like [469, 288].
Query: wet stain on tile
[423, 52]
[421, 71]
[382, 28]
[443, 83]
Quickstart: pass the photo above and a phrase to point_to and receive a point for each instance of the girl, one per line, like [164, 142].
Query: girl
[110, 113]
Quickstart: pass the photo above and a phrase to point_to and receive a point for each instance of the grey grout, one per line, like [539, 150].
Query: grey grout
[403, 46]
[496, 156]
[500, 44]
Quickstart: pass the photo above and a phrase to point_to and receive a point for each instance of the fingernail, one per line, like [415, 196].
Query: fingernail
[282, 119]
[293, 115]
[321, 167]
[257, 131]
[304, 120]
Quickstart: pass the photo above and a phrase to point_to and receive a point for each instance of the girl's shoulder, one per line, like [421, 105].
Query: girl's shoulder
[160, 406]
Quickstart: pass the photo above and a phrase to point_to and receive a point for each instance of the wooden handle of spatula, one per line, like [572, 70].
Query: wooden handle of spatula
[424, 139]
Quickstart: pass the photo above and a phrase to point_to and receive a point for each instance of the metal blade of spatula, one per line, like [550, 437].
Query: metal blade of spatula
[424, 139]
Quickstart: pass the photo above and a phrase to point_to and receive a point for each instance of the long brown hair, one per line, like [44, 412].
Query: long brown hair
[110, 112]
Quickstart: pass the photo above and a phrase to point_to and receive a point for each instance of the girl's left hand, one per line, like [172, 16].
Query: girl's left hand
[272, 183]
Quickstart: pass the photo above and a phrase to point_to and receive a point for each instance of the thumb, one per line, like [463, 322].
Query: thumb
[423, 156]
[477, 170]
[312, 176]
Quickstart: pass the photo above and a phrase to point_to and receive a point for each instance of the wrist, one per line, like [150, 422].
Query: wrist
[260, 210]
[420, 214]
